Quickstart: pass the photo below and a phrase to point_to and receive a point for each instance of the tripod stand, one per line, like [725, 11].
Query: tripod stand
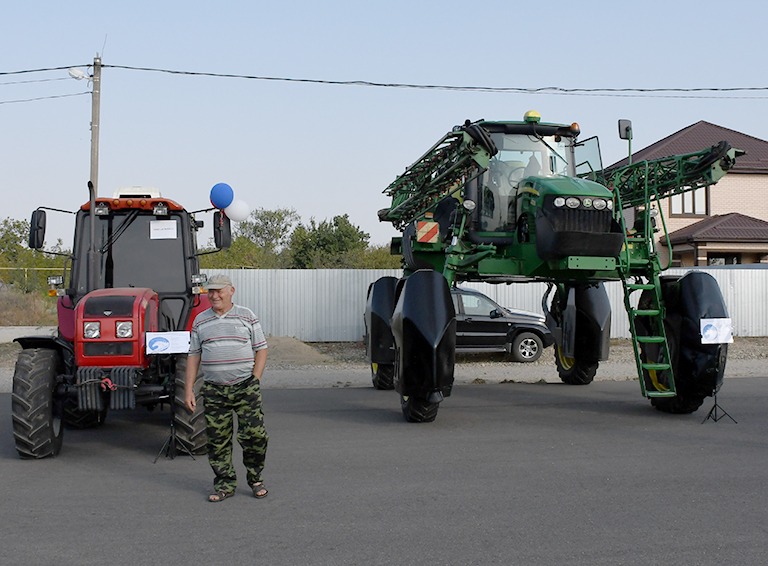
[169, 446]
[713, 413]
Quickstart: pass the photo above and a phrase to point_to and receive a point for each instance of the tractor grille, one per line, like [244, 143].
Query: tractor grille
[580, 220]
[108, 348]
[116, 306]
[97, 385]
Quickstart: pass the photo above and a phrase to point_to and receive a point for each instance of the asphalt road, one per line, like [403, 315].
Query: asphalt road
[508, 474]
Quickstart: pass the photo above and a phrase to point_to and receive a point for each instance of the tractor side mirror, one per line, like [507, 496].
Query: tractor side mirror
[37, 229]
[625, 129]
[222, 231]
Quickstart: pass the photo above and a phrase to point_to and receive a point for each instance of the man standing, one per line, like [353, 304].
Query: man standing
[227, 342]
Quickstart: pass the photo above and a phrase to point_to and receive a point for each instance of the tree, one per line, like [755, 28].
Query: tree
[378, 257]
[30, 267]
[336, 244]
[269, 229]
[244, 254]
[13, 234]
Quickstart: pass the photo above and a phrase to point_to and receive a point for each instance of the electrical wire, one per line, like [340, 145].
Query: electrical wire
[44, 97]
[36, 81]
[516, 90]
[666, 92]
[27, 71]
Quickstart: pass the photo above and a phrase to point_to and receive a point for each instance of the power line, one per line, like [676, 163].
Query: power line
[35, 81]
[28, 71]
[513, 90]
[43, 70]
[665, 92]
[44, 97]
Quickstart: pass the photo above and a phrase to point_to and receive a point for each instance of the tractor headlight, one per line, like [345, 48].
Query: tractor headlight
[124, 329]
[572, 202]
[599, 204]
[92, 330]
[609, 204]
[559, 202]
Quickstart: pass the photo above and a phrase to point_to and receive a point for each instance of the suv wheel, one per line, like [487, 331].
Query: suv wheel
[526, 347]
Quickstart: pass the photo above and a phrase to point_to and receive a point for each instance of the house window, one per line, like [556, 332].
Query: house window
[690, 203]
[723, 259]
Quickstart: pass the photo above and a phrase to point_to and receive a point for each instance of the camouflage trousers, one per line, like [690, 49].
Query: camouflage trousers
[222, 402]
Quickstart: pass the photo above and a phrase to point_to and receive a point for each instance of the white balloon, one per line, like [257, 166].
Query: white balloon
[238, 210]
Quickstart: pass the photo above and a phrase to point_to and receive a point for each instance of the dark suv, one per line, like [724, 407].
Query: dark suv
[484, 326]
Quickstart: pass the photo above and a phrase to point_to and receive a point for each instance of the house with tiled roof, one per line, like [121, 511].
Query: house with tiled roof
[726, 223]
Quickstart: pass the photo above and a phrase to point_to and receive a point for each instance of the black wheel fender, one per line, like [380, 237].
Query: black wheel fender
[380, 302]
[698, 368]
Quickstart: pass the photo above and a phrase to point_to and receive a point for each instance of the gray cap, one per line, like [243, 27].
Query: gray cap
[218, 282]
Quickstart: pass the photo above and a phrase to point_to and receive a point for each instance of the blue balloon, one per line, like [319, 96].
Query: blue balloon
[222, 195]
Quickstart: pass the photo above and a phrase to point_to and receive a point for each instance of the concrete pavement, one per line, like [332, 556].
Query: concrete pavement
[508, 474]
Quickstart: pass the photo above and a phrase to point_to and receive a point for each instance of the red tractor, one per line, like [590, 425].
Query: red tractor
[124, 317]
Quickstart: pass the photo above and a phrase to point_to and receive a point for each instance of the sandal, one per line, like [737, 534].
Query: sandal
[218, 496]
[259, 491]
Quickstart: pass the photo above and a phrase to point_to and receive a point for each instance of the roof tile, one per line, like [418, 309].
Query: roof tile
[701, 135]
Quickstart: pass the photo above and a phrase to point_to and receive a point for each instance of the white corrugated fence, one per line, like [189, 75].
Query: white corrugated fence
[327, 305]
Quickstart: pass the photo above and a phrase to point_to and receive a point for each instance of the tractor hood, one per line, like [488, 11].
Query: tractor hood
[567, 186]
[111, 324]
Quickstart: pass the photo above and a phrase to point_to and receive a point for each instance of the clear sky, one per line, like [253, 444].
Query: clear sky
[326, 150]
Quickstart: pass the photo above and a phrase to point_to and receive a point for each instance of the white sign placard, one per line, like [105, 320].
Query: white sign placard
[163, 230]
[168, 342]
[716, 331]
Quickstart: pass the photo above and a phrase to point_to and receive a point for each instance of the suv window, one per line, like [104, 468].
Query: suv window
[477, 305]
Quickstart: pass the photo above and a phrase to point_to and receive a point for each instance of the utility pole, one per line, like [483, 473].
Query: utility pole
[95, 116]
[93, 183]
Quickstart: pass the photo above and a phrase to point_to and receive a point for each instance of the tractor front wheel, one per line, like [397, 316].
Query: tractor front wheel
[383, 376]
[574, 371]
[37, 412]
[418, 410]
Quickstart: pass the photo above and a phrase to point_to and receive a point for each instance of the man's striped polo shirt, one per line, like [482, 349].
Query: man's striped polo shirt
[226, 344]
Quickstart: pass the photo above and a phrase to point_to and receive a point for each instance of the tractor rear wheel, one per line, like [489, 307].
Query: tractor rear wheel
[37, 413]
[417, 410]
[77, 419]
[190, 427]
[688, 396]
[383, 376]
[685, 401]
[680, 404]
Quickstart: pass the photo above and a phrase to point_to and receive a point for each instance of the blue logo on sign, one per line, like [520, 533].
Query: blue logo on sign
[158, 344]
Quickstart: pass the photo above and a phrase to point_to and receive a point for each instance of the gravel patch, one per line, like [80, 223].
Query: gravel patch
[293, 363]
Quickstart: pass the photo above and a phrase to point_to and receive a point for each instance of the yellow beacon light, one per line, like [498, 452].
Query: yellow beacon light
[532, 117]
